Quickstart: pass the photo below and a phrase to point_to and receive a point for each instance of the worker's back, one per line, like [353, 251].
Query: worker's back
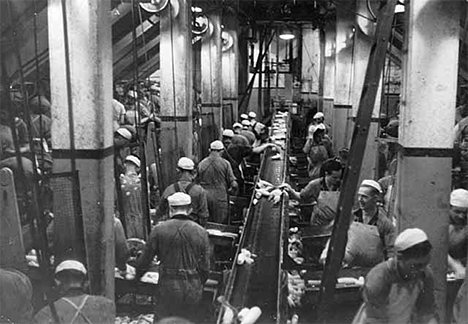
[79, 309]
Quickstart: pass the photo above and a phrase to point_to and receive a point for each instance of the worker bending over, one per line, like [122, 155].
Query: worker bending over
[401, 290]
[183, 248]
[75, 306]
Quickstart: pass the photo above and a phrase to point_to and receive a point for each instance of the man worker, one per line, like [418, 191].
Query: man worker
[252, 118]
[76, 306]
[183, 248]
[247, 131]
[458, 232]
[369, 213]
[319, 118]
[186, 184]
[244, 117]
[401, 289]
[217, 178]
[16, 294]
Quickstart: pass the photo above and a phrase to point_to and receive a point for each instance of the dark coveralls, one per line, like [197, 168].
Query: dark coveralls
[196, 192]
[216, 177]
[183, 248]
[77, 308]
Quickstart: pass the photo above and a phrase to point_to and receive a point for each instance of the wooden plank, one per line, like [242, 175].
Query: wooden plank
[11, 239]
[358, 145]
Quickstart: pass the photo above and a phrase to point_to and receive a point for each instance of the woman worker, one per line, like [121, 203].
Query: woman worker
[318, 149]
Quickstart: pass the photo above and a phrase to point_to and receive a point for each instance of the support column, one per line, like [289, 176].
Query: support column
[176, 86]
[212, 97]
[345, 21]
[80, 51]
[362, 49]
[310, 62]
[427, 115]
[230, 68]
[329, 74]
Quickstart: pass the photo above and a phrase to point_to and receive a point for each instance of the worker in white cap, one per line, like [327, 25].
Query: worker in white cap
[76, 306]
[247, 132]
[458, 233]
[369, 213]
[183, 248]
[237, 127]
[401, 289]
[130, 188]
[252, 117]
[186, 184]
[318, 148]
[319, 118]
[217, 178]
[237, 147]
[244, 117]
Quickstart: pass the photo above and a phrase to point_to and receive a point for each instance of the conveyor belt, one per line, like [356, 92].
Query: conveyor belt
[264, 232]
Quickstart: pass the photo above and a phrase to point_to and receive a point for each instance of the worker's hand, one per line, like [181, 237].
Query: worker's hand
[459, 271]
[285, 186]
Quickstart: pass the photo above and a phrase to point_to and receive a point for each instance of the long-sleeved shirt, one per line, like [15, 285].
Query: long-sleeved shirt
[181, 245]
[216, 172]
[390, 298]
[385, 227]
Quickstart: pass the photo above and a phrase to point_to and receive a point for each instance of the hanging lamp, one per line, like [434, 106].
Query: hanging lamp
[286, 33]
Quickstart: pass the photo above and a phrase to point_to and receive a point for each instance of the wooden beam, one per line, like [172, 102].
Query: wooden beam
[358, 145]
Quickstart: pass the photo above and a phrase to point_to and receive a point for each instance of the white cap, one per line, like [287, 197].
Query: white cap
[186, 164]
[228, 133]
[179, 199]
[71, 265]
[133, 159]
[237, 125]
[252, 114]
[125, 133]
[245, 122]
[319, 115]
[408, 238]
[373, 184]
[459, 198]
[217, 146]
[244, 116]
[132, 93]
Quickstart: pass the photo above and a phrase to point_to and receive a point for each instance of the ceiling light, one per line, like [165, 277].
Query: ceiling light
[286, 33]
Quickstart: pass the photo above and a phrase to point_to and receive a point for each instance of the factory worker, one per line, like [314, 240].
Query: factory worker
[370, 213]
[76, 306]
[130, 184]
[237, 127]
[237, 147]
[186, 172]
[247, 132]
[183, 248]
[252, 118]
[458, 232]
[318, 148]
[217, 178]
[319, 118]
[323, 191]
[401, 289]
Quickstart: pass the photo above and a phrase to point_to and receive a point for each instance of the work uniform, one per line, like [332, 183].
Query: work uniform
[326, 199]
[183, 248]
[385, 228]
[391, 298]
[250, 136]
[216, 177]
[79, 308]
[199, 214]
[317, 153]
